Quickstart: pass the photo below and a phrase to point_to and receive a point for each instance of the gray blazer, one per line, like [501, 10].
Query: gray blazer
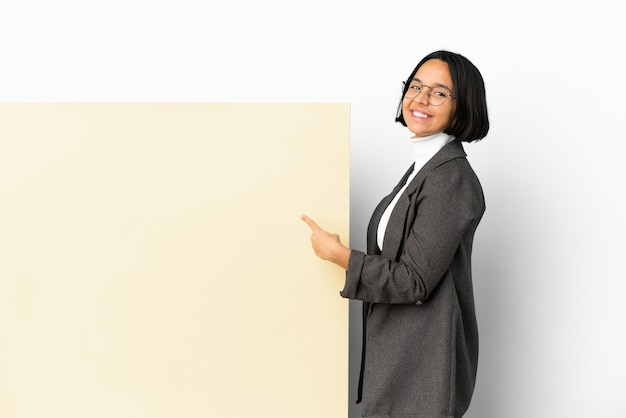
[420, 338]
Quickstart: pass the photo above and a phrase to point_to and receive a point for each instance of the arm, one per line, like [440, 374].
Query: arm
[441, 226]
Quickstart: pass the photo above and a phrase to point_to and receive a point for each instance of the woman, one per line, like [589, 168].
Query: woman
[420, 343]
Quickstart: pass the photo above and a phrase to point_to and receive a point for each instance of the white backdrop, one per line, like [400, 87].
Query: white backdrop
[549, 277]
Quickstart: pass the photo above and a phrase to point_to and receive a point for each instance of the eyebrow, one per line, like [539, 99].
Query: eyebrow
[433, 86]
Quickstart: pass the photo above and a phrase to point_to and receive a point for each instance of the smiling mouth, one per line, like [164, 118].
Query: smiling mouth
[419, 114]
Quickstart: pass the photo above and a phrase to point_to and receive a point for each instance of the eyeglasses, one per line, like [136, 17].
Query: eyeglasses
[437, 96]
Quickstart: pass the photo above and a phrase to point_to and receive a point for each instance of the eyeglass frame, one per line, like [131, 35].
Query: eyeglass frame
[406, 89]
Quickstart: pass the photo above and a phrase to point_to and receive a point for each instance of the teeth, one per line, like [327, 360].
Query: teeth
[419, 115]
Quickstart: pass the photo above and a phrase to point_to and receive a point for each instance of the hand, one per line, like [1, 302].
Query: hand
[327, 246]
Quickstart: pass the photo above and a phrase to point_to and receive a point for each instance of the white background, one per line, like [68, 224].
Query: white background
[549, 254]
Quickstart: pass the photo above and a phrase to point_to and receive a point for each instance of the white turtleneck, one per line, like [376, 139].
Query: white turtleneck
[424, 149]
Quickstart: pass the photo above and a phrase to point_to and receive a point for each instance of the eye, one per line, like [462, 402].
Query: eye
[440, 93]
[415, 87]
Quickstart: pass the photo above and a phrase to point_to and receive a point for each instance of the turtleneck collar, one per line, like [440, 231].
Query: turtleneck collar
[424, 148]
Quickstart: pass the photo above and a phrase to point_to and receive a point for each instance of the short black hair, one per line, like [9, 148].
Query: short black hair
[470, 121]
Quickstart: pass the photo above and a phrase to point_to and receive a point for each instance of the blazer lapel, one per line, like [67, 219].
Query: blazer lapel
[372, 230]
[449, 152]
[395, 227]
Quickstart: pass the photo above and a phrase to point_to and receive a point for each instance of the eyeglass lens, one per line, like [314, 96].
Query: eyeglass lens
[436, 96]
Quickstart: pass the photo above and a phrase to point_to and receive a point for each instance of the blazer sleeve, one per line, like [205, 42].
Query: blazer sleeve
[448, 208]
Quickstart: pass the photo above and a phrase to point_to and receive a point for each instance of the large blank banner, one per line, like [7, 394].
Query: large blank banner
[153, 263]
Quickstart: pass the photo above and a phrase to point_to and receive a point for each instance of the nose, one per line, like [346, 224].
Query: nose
[423, 96]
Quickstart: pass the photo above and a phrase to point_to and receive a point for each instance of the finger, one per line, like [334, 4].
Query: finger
[310, 222]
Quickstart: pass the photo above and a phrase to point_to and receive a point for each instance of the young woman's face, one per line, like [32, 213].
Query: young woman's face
[421, 117]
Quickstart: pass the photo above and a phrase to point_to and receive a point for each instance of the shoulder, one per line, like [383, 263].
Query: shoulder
[453, 171]
[454, 183]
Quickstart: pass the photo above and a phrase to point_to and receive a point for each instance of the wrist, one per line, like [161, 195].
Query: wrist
[341, 256]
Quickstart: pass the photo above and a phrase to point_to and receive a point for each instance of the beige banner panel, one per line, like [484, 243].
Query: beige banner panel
[153, 263]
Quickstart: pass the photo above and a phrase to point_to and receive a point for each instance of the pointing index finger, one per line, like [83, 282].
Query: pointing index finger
[310, 222]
